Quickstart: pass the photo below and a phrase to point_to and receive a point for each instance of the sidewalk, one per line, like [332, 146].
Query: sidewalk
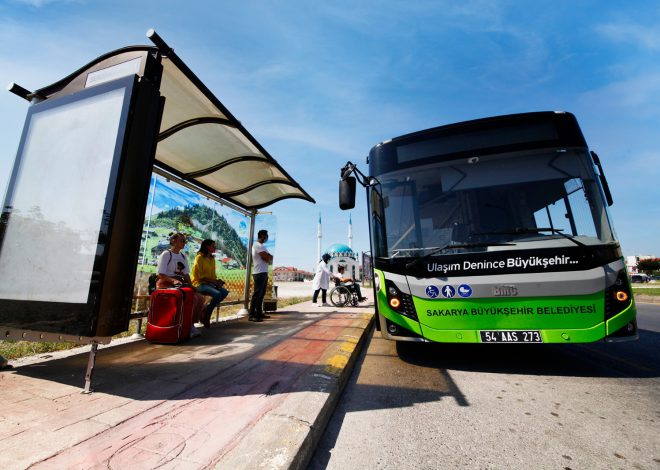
[243, 395]
[647, 299]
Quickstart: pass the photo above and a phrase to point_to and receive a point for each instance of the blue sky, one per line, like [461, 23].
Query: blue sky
[320, 83]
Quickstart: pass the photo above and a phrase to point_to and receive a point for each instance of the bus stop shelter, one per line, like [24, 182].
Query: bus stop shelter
[172, 125]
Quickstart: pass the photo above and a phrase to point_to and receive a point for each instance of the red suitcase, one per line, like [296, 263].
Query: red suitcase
[170, 315]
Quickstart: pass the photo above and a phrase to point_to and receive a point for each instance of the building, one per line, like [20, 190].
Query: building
[343, 255]
[631, 262]
[290, 274]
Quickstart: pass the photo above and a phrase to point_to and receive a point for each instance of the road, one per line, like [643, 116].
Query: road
[429, 406]
[294, 289]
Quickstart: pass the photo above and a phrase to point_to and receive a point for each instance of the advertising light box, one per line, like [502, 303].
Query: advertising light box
[73, 210]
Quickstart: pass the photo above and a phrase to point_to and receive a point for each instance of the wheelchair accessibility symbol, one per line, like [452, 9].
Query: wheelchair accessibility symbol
[432, 291]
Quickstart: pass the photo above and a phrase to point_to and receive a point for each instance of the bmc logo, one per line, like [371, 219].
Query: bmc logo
[505, 291]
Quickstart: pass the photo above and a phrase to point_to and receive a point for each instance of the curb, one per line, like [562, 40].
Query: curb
[647, 299]
[340, 379]
[286, 437]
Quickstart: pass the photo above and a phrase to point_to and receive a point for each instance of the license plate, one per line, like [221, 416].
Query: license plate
[511, 336]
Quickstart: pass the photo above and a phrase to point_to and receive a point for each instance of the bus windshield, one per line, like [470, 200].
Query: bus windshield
[530, 199]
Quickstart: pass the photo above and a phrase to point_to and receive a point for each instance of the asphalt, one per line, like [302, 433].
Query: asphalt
[243, 395]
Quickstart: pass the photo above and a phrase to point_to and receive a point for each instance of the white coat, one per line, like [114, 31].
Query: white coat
[322, 276]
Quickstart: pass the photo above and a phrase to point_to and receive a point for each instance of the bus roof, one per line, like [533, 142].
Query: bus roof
[497, 134]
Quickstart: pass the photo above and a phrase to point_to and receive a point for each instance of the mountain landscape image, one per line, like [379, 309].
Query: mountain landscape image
[173, 208]
[199, 222]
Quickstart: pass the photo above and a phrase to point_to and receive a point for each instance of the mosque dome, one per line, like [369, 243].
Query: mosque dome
[339, 249]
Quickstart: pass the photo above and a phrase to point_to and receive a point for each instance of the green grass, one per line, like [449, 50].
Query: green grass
[15, 349]
[646, 291]
[292, 301]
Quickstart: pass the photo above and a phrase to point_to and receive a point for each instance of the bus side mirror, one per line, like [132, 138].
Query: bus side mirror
[603, 180]
[347, 193]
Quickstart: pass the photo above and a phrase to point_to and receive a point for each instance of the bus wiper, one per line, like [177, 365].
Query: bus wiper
[524, 230]
[416, 261]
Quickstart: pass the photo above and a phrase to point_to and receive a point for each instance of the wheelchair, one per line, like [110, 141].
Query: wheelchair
[342, 295]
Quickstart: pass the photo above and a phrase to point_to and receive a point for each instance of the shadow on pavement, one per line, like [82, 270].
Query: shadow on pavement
[382, 379]
[638, 359]
[235, 358]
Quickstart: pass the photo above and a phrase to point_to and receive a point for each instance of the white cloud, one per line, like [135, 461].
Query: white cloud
[41, 3]
[638, 96]
[628, 32]
[647, 161]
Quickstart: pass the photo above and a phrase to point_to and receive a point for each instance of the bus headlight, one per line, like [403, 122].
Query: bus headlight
[400, 302]
[621, 296]
[618, 295]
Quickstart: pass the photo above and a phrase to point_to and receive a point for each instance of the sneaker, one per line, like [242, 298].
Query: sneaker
[325, 304]
[257, 319]
[264, 316]
[362, 299]
[194, 332]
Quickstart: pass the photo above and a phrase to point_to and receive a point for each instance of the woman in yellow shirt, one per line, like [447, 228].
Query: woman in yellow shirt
[205, 281]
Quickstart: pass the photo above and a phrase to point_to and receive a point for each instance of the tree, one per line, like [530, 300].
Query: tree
[648, 265]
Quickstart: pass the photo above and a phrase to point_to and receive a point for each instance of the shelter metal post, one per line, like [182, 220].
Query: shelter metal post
[138, 333]
[90, 367]
[248, 267]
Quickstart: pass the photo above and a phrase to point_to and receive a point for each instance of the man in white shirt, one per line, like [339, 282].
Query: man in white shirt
[261, 259]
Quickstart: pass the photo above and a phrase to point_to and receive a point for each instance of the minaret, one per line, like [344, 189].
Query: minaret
[350, 231]
[318, 236]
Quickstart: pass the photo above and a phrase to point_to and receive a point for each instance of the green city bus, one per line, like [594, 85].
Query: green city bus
[494, 231]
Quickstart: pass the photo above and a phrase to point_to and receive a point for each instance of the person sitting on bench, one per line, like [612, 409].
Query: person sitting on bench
[205, 280]
[173, 271]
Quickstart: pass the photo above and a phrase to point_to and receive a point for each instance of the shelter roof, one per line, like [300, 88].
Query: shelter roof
[200, 142]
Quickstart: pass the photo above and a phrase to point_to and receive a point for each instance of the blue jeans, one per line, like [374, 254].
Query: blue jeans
[217, 295]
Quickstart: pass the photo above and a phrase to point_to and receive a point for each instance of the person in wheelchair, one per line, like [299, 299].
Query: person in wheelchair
[350, 283]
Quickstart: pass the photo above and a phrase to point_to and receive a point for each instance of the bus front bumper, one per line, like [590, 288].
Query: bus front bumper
[621, 327]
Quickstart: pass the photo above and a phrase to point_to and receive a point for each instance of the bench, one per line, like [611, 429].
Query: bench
[142, 308]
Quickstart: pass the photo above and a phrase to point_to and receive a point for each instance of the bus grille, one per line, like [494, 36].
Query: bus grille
[408, 307]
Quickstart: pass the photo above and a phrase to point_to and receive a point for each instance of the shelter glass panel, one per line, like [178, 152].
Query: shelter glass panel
[58, 144]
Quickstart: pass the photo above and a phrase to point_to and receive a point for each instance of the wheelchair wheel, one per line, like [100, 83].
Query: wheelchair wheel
[340, 296]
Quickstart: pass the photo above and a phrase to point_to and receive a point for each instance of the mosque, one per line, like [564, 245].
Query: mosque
[341, 255]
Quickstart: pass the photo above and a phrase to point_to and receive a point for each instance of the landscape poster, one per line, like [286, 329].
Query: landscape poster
[174, 208]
